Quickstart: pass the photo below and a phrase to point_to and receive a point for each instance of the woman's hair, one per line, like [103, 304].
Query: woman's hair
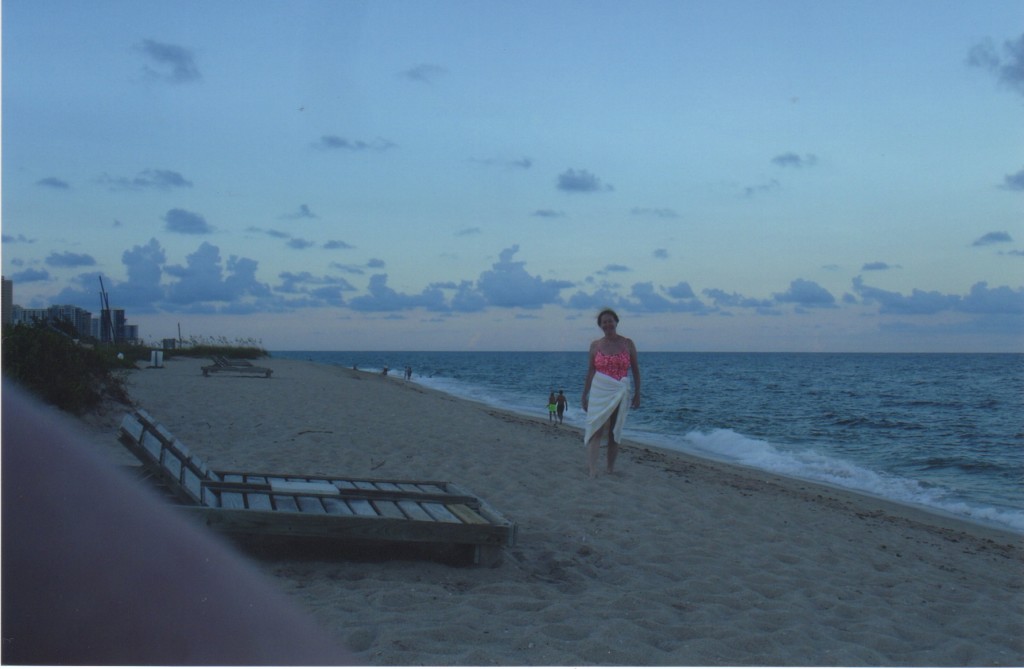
[607, 311]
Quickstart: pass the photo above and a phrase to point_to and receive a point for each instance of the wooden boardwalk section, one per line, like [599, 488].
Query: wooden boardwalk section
[237, 366]
[262, 504]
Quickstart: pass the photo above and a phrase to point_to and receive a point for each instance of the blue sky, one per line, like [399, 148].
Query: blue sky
[797, 176]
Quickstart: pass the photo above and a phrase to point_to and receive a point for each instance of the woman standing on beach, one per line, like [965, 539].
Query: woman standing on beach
[606, 391]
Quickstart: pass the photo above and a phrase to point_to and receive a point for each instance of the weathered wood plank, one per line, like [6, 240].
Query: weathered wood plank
[232, 500]
[260, 501]
[440, 512]
[193, 484]
[388, 509]
[467, 515]
[285, 503]
[164, 433]
[362, 507]
[414, 511]
[310, 504]
[170, 462]
[337, 506]
[182, 449]
[322, 487]
[152, 444]
[209, 497]
[132, 427]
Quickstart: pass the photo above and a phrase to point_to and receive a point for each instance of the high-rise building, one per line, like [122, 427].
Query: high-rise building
[80, 318]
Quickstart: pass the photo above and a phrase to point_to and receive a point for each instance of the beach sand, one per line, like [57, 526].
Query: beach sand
[673, 560]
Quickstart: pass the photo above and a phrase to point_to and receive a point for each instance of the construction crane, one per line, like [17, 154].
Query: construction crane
[106, 321]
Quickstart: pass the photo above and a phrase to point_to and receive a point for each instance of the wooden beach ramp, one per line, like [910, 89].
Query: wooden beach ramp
[296, 507]
[236, 366]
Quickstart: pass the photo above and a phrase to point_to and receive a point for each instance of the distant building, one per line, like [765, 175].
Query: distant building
[83, 321]
[78, 317]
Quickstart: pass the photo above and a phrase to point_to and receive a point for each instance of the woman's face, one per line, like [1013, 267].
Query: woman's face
[608, 324]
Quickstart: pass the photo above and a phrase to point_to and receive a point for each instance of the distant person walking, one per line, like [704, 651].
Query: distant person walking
[606, 391]
[551, 406]
[561, 403]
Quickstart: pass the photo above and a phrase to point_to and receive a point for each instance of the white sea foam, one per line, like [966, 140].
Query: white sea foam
[807, 464]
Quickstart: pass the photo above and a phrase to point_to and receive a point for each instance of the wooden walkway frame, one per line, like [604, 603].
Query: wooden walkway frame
[261, 504]
[238, 366]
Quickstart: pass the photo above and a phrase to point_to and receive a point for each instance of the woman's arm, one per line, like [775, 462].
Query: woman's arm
[634, 364]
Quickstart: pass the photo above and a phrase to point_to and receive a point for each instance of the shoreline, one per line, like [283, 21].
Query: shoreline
[676, 559]
[790, 458]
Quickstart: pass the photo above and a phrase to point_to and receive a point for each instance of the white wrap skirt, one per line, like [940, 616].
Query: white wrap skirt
[606, 395]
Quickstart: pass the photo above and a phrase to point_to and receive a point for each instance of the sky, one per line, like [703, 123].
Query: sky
[451, 175]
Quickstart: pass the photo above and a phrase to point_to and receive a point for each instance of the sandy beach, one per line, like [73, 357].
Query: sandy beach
[671, 561]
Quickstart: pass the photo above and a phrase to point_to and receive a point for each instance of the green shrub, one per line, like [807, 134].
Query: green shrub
[61, 371]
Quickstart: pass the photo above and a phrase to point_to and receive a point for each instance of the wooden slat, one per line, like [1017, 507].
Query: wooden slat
[152, 444]
[209, 497]
[132, 427]
[388, 509]
[365, 485]
[172, 464]
[310, 504]
[362, 507]
[337, 506]
[164, 433]
[284, 503]
[181, 448]
[304, 487]
[192, 484]
[198, 463]
[414, 510]
[467, 515]
[233, 478]
[257, 500]
[232, 500]
[440, 512]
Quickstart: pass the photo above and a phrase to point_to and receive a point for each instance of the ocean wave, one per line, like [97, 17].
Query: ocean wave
[807, 464]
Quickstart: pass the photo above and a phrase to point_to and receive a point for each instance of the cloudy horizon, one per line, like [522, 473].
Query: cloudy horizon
[355, 176]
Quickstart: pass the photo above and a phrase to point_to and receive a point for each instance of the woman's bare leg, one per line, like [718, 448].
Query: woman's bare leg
[613, 446]
[594, 451]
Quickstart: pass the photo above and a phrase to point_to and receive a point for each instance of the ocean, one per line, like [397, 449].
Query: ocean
[940, 431]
